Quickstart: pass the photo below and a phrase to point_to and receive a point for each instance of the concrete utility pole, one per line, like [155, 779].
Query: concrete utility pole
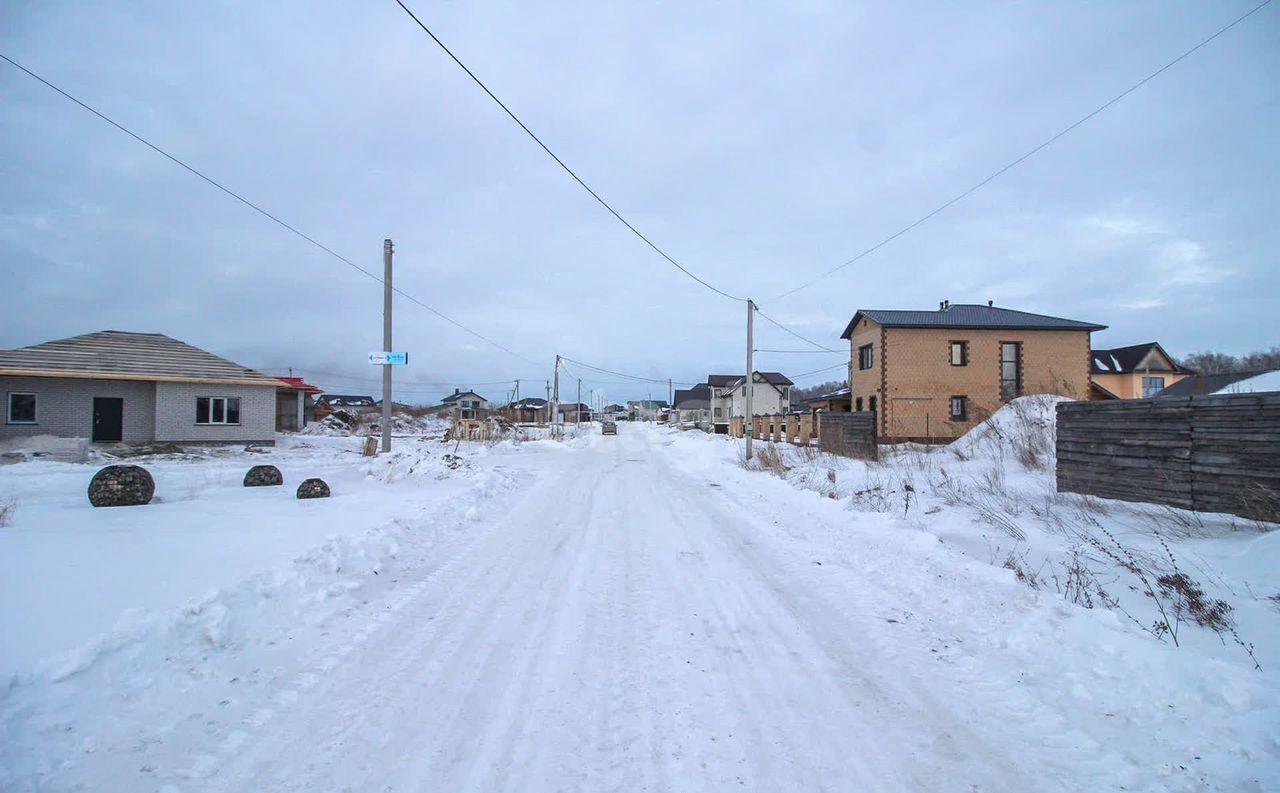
[555, 399]
[386, 345]
[747, 422]
[577, 406]
[670, 396]
[548, 401]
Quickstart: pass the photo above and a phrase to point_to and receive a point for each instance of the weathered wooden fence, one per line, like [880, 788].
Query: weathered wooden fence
[1207, 453]
[850, 435]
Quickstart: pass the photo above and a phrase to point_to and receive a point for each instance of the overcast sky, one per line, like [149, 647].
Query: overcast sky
[758, 143]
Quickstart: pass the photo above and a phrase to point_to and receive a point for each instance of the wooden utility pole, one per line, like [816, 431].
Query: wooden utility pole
[555, 399]
[386, 344]
[577, 406]
[548, 401]
[751, 311]
[670, 395]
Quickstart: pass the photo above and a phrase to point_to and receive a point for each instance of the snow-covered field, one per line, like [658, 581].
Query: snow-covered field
[625, 613]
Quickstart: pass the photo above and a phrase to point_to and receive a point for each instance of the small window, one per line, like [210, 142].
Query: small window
[719, 412]
[857, 404]
[866, 356]
[873, 404]
[1152, 386]
[22, 409]
[959, 408]
[959, 353]
[217, 410]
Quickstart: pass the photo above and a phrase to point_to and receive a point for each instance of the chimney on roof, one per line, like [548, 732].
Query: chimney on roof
[946, 304]
[456, 390]
[989, 303]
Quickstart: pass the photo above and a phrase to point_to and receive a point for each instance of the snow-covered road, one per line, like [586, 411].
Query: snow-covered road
[602, 614]
[623, 628]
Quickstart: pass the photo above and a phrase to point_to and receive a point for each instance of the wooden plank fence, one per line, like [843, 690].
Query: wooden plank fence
[1207, 453]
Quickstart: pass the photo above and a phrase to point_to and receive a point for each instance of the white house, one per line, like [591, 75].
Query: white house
[771, 395]
[465, 404]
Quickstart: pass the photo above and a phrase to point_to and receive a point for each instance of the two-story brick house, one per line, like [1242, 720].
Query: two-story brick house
[932, 375]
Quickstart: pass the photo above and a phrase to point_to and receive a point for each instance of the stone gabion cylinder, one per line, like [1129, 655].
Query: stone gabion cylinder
[121, 486]
[313, 488]
[263, 476]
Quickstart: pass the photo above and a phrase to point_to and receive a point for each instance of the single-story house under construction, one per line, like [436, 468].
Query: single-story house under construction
[136, 388]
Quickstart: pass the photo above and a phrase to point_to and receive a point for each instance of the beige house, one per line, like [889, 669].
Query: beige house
[1138, 371]
[933, 375]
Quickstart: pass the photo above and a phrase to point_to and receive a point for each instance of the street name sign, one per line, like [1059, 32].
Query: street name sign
[389, 358]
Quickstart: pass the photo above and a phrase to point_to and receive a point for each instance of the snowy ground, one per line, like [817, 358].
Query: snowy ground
[612, 613]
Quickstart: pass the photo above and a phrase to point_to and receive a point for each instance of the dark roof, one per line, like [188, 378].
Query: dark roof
[722, 380]
[968, 316]
[346, 400]
[456, 395]
[694, 398]
[1125, 360]
[776, 379]
[529, 403]
[120, 355]
[837, 394]
[1106, 394]
[1203, 384]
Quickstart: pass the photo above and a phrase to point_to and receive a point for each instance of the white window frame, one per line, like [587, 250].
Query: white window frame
[226, 403]
[870, 357]
[8, 412]
[1148, 384]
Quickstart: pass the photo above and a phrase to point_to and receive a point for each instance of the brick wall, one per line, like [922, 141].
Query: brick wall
[64, 406]
[921, 379]
[176, 414]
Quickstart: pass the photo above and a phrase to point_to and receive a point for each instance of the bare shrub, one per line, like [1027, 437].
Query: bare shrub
[986, 498]
[766, 457]
[6, 513]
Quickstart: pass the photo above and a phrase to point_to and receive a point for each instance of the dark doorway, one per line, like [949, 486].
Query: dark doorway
[108, 419]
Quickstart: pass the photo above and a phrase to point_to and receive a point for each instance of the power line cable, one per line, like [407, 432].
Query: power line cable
[802, 352]
[561, 162]
[807, 340]
[820, 371]
[1013, 164]
[210, 180]
[621, 374]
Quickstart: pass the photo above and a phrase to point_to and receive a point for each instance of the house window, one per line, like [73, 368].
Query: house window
[959, 408]
[873, 405]
[719, 412]
[857, 404]
[1010, 369]
[865, 356]
[217, 410]
[1152, 386]
[959, 353]
[22, 409]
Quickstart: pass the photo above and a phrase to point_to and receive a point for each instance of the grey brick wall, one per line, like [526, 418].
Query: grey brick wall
[64, 407]
[176, 414]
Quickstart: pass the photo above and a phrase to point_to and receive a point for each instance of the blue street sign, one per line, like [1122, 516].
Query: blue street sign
[389, 358]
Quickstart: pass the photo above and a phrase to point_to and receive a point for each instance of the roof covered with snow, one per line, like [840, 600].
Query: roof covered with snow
[119, 355]
[1223, 383]
[456, 395]
[968, 316]
[346, 400]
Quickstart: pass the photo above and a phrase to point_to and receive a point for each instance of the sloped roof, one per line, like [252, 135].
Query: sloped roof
[693, 398]
[119, 355]
[968, 316]
[837, 394]
[1126, 360]
[1204, 384]
[346, 400]
[776, 379]
[529, 403]
[722, 380]
[298, 384]
[456, 395]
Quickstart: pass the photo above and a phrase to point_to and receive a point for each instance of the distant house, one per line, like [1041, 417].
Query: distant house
[693, 405]
[719, 387]
[466, 404]
[135, 388]
[295, 405]
[645, 409]
[932, 375]
[832, 402]
[352, 403]
[1138, 371]
[1225, 383]
[771, 395]
[575, 413]
[530, 410]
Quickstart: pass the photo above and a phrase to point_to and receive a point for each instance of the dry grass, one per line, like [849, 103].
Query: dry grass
[764, 457]
[6, 513]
